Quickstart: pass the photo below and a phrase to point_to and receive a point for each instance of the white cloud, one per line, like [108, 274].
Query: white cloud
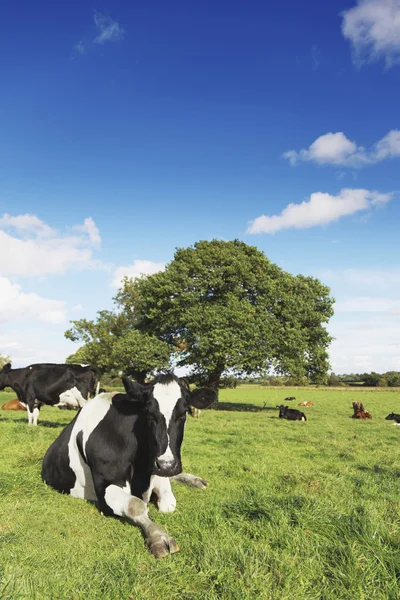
[320, 209]
[108, 29]
[16, 305]
[336, 149]
[90, 227]
[26, 224]
[77, 308]
[368, 304]
[138, 268]
[387, 278]
[373, 29]
[34, 249]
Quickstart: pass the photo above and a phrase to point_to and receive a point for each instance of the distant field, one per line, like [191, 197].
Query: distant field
[293, 510]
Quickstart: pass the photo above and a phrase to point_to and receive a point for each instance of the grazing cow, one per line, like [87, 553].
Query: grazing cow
[52, 384]
[122, 447]
[308, 403]
[291, 414]
[393, 417]
[290, 398]
[13, 405]
[360, 412]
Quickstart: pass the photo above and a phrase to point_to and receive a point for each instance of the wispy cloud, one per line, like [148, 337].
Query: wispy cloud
[320, 209]
[373, 29]
[316, 57]
[108, 29]
[336, 149]
[79, 48]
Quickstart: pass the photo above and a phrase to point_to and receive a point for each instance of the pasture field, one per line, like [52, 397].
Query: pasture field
[293, 510]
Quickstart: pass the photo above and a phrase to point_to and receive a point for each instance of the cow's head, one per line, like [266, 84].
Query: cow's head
[4, 378]
[166, 401]
[390, 417]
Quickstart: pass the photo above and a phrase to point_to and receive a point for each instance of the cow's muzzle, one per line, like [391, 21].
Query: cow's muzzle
[167, 468]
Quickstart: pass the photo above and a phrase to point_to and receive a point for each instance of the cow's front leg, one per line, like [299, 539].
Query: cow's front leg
[123, 504]
[161, 486]
[33, 410]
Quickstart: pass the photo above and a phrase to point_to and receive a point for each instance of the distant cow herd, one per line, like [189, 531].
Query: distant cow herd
[121, 448]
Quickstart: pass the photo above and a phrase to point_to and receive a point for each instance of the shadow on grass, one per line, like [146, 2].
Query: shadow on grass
[50, 424]
[241, 407]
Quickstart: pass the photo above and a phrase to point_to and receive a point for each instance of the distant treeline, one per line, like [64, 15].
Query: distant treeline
[389, 379]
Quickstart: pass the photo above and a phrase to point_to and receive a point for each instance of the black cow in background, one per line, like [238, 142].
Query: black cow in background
[53, 384]
[291, 414]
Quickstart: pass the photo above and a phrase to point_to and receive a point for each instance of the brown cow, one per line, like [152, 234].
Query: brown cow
[308, 403]
[360, 412]
[13, 405]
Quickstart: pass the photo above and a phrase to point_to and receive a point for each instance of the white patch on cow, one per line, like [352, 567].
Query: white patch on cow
[30, 416]
[72, 397]
[118, 499]
[90, 416]
[161, 486]
[167, 395]
[35, 415]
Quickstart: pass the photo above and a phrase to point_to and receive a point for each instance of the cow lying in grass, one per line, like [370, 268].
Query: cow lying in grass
[308, 403]
[13, 405]
[394, 417]
[290, 398]
[121, 448]
[291, 414]
[360, 412]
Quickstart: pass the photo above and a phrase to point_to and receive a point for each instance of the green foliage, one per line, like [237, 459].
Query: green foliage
[293, 511]
[225, 307]
[112, 344]
[4, 360]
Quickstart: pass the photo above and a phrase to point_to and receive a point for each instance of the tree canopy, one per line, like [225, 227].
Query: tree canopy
[112, 344]
[4, 360]
[226, 308]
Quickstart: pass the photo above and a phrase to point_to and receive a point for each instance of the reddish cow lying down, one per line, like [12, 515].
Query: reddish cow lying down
[13, 405]
[121, 448]
[360, 412]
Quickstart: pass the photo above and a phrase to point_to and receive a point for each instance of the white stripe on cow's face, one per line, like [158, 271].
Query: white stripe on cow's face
[167, 395]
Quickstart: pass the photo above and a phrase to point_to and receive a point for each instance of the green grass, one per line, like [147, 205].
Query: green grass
[293, 510]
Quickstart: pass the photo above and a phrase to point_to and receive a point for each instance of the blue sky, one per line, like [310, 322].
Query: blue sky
[129, 129]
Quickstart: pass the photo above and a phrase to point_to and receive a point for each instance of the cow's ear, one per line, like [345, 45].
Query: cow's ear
[6, 368]
[202, 398]
[133, 389]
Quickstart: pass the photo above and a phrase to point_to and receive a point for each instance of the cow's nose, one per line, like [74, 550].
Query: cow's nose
[164, 464]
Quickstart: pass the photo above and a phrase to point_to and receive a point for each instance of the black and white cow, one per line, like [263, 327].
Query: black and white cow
[393, 417]
[120, 448]
[46, 383]
[291, 414]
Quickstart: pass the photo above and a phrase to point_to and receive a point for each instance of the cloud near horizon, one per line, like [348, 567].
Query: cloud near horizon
[320, 209]
[136, 269]
[16, 305]
[373, 30]
[336, 149]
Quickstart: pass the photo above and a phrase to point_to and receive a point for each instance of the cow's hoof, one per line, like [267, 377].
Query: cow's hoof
[198, 482]
[163, 546]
